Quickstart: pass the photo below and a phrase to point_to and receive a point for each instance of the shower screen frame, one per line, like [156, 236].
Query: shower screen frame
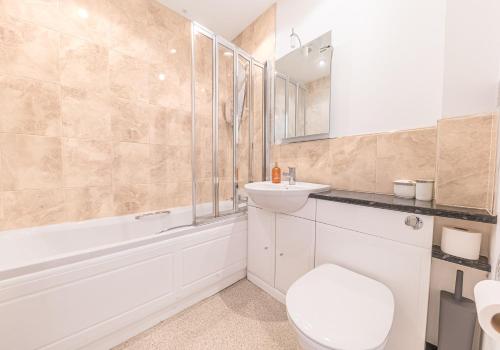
[238, 53]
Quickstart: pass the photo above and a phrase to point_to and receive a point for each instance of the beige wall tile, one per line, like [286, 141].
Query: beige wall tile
[129, 199]
[159, 198]
[87, 19]
[169, 87]
[128, 27]
[464, 174]
[264, 40]
[75, 84]
[29, 106]
[159, 163]
[180, 194]
[158, 125]
[42, 13]
[30, 162]
[85, 114]
[314, 162]
[405, 155]
[33, 208]
[178, 163]
[311, 160]
[66, 16]
[88, 203]
[131, 163]
[130, 121]
[84, 65]
[259, 38]
[353, 163]
[128, 77]
[87, 163]
[178, 127]
[168, 35]
[490, 201]
[27, 50]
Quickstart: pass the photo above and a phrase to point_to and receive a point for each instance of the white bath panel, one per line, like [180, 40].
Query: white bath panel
[99, 302]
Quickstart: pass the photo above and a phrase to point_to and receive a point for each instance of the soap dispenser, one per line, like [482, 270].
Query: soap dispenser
[276, 174]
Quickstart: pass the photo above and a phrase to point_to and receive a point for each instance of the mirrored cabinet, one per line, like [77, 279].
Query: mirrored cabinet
[302, 92]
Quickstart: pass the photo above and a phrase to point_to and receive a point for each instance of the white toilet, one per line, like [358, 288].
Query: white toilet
[333, 308]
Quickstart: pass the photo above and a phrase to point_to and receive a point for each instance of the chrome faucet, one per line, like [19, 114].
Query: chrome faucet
[291, 175]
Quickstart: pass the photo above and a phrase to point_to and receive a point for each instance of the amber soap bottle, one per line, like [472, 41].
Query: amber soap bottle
[276, 174]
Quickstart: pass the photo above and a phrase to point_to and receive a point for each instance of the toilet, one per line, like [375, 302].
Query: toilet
[333, 308]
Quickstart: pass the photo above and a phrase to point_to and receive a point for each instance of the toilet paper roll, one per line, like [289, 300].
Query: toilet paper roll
[460, 242]
[487, 295]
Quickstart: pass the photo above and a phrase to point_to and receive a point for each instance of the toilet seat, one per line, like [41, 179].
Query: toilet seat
[340, 309]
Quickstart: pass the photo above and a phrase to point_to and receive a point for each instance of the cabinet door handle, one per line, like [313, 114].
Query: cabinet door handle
[414, 222]
[281, 254]
[265, 248]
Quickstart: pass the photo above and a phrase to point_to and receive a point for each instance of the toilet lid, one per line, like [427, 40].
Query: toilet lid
[341, 309]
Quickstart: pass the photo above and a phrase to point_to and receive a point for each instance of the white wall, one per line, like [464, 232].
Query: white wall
[388, 59]
[401, 64]
[472, 57]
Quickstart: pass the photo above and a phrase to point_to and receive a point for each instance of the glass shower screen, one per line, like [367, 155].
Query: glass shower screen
[228, 124]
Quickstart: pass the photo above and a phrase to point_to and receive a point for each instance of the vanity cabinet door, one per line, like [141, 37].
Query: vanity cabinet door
[295, 239]
[261, 244]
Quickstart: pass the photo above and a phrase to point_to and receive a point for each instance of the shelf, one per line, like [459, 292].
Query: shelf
[481, 264]
[384, 201]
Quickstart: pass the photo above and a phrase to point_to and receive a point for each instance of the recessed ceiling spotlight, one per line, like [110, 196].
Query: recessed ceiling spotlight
[172, 51]
[322, 63]
[162, 76]
[83, 13]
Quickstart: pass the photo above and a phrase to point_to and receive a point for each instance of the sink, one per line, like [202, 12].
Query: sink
[282, 197]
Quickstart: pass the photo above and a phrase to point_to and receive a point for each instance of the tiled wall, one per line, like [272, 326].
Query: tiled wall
[459, 153]
[94, 109]
[466, 157]
[259, 38]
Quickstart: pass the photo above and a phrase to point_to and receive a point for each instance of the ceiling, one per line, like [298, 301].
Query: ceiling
[227, 18]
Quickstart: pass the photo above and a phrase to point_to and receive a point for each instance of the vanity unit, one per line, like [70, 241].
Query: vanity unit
[389, 246]
[382, 237]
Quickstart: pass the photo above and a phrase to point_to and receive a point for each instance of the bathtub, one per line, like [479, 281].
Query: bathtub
[94, 284]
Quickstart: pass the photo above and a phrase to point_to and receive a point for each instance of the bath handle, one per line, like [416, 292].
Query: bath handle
[138, 217]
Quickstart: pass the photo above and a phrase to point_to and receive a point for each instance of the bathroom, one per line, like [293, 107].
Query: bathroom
[273, 174]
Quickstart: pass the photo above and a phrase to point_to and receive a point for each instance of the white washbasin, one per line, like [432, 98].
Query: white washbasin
[282, 197]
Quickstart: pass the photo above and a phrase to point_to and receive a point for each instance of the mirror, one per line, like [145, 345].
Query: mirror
[302, 94]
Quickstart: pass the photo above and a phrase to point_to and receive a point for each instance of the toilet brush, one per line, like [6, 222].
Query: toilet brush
[457, 318]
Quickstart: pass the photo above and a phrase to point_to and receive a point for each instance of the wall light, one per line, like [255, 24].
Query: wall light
[322, 63]
[162, 76]
[172, 51]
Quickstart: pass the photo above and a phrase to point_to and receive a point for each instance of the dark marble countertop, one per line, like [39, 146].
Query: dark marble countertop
[481, 264]
[384, 201]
